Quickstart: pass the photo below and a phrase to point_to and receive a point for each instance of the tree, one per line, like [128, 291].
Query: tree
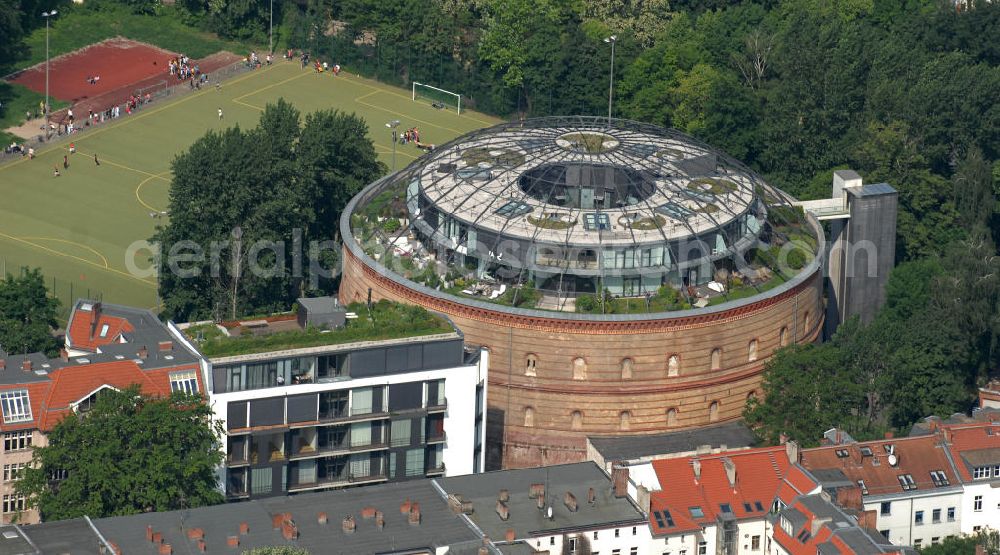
[11, 46]
[245, 206]
[974, 197]
[131, 453]
[27, 315]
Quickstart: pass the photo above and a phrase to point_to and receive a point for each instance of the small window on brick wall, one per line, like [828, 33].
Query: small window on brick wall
[576, 420]
[627, 365]
[671, 418]
[529, 417]
[624, 420]
[783, 337]
[579, 368]
[713, 411]
[716, 359]
[752, 350]
[529, 365]
[673, 366]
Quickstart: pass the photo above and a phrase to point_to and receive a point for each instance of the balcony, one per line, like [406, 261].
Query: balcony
[437, 405]
[340, 480]
[237, 459]
[436, 436]
[435, 470]
[344, 416]
[307, 451]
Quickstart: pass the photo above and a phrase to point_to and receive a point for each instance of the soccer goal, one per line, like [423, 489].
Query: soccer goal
[438, 98]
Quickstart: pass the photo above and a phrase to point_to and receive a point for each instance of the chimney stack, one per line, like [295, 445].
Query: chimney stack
[536, 490]
[244, 528]
[730, 467]
[792, 450]
[201, 546]
[64, 354]
[696, 465]
[570, 501]
[195, 533]
[348, 525]
[3, 364]
[157, 537]
[165, 549]
[149, 532]
[379, 520]
[95, 317]
[368, 513]
[143, 352]
[233, 541]
[540, 502]
[414, 517]
[166, 346]
[504, 495]
[321, 519]
[591, 496]
[502, 511]
[619, 480]
[404, 507]
[26, 365]
[510, 536]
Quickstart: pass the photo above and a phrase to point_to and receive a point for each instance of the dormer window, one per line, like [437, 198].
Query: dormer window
[16, 406]
[86, 404]
[906, 481]
[866, 451]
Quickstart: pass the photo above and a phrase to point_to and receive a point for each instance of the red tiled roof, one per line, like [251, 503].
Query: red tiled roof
[81, 326]
[965, 438]
[758, 475]
[916, 456]
[37, 391]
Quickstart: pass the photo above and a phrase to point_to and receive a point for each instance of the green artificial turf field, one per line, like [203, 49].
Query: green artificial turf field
[77, 227]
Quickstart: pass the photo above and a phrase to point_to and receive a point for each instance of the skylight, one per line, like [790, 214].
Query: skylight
[906, 481]
[842, 453]
[939, 478]
[866, 451]
[864, 488]
[663, 519]
[16, 406]
[513, 208]
[725, 508]
[758, 506]
[104, 330]
[696, 512]
[747, 507]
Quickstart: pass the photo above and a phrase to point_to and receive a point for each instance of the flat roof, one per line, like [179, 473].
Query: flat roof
[387, 321]
[13, 541]
[525, 518]
[730, 434]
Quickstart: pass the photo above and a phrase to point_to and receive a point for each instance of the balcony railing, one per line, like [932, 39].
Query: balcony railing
[340, 480]
[436, 436]
[435, 469]
[308, 451]
[437, 405]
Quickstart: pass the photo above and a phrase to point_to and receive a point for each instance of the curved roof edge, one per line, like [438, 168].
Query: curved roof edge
[372, 189]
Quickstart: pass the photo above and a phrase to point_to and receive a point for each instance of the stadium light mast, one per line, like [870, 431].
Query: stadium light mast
[47, 16]
[611, 87]
[393, 125]
[270, 30]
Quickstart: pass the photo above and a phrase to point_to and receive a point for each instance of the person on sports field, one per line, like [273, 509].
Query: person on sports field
[95, 159]
[65, 162]
[220, 113]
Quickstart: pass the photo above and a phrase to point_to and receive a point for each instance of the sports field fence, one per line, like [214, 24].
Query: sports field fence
[66, 291]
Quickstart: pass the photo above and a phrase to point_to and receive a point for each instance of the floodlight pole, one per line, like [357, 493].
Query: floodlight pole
[393, 125]
[611, 87]
[47, 16]
[270, 30]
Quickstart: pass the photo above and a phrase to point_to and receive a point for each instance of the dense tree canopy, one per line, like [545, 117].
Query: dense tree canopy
[27, 314]
[284, 185]
[128, 454]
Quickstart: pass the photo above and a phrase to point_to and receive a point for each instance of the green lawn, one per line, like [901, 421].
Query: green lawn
[78, 227]
[16, 100]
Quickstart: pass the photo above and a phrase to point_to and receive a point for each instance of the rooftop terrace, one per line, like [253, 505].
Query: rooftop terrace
[278, 332]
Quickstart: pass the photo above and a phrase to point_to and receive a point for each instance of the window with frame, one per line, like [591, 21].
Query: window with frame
[885, 533]
[996, 471]
[617, 532]
[572, 546]
[978, 473]
[13, 503]
[17, 441]
[415, 462]
[702, 548]
[951, 514]
[16, 406]
[13, 472]
[399, 435]
[917, 543]
[755, 543]
[935, 540]
[906, 482]
[58, 475]
[633, 551]
[939, 478]
[977, 503]
[886, 508]
[918, 518]
[186, 382]
[936, 516]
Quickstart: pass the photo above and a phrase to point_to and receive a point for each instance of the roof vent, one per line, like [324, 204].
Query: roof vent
[570, 500]
[10, 534]
[83, 360]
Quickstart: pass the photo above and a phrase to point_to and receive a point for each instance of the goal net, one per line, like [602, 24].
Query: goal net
[438, 98]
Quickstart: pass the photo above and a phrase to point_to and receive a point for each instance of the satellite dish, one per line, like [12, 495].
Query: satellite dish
[548, 512]
[893, 460]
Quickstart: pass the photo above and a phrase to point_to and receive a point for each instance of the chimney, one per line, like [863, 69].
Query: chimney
[95, 317]
[195, 533]
[379, 520]
[536, 490]
[792, 450]
[404, 508]
[510, 536]
[143, 352]
[540, 502]
[289, 530]
[483, 550]
[348, 525]
[64, 354]
[368, 513]
[244, 528]
[591, 496]
[233, 541]
[414, 517]
[619, 480]
[696, 465]
[889, 435]
[3, 364]
[149, 532]
[570, 500]
[26, 365]
[504, 495]
[868, 519]
[321, 519]
[730, 467]
[783, 438]
[166, 346]
[157, 537]
[201, 546]
[165, 549]
[502, 511]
